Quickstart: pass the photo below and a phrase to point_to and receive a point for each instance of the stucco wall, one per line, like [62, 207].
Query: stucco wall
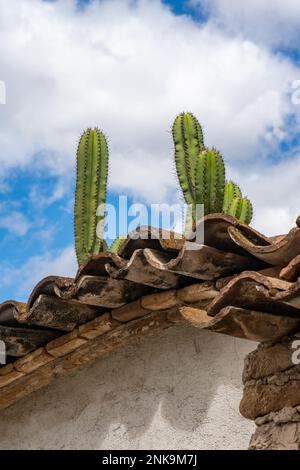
[178, 390]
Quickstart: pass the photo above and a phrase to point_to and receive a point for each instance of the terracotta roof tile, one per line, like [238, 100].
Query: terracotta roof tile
[239, 283]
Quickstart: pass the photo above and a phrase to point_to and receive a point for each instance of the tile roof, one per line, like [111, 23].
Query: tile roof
[239, 283]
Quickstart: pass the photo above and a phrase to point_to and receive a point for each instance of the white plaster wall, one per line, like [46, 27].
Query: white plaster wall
[178, 390]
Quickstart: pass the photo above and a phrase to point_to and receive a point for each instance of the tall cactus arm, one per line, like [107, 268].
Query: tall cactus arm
[220, 181]
[102, 175]
[246, 212]
[96, 174]
[231, 191]
[91, 187]
[193, 136]
[79, 197]
[200, 174]
[210, 180]
[188, 142]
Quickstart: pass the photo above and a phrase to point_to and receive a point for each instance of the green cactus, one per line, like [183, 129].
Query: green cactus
[116, 245]
[210, 180]
[201, 174]
[232, 191]
[91, 188]
[234, 208]
[105, 246]
[188, 142]
[246, 212]
[241, 208]
[235, 204]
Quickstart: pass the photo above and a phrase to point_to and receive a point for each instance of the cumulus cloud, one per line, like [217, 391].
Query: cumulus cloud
[274, 191]
[15, 222]
[130, 67]
[274, 23]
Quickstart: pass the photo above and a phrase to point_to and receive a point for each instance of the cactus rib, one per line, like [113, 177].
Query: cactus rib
[246, 212]
[210, 180]
[91, 184]
[188, 142]
[116, 245]
[235, 207]
[231, 191]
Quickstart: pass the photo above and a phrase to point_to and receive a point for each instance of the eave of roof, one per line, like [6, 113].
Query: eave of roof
[239, 282]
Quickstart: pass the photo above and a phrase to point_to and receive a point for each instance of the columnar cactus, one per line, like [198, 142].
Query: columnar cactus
[210, 180]
[246, 212]
[201, 174]
[188, 141]
[91, 187]
[231, 192]
[234, 208]
[235, 204]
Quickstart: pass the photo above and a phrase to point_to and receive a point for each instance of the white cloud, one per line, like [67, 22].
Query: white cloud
[130, 67]
[275, 23]
[15, 222]
[62, 263]
[274, 191]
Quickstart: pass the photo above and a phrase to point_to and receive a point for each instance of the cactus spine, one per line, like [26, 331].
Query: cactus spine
[91, 188]
[201, 174]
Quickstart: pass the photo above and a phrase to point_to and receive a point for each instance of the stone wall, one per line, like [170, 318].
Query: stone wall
[272, 396]
[278, 431]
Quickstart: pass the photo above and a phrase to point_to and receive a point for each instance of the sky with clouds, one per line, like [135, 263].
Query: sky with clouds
[129, 66]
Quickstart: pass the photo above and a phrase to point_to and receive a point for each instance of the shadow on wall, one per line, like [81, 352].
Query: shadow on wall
[178, 390]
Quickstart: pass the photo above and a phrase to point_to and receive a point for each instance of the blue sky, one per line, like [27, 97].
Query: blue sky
[130, 67]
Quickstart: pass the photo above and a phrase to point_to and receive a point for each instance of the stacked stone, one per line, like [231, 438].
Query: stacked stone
[272, 395]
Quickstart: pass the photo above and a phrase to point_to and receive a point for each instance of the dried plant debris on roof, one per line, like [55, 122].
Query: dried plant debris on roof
[239, 282]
